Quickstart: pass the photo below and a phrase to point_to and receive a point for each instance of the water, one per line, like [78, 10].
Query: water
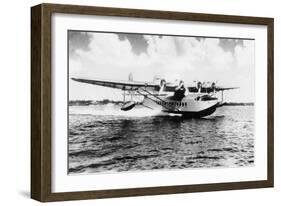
[104, 139]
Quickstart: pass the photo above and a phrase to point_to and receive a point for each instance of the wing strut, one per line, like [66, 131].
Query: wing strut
[155, 96]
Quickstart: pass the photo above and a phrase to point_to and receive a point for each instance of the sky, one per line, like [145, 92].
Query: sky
[114, 56]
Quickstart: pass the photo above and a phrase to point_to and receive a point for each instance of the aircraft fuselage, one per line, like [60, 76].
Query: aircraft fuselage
[187, 106]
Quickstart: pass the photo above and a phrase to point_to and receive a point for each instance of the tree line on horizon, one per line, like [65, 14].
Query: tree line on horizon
[108, 101]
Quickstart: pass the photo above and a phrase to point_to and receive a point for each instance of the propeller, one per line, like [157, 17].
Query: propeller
[199, 84]
[214, 86]
[162, 86]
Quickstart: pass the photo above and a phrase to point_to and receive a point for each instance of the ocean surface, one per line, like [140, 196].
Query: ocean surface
[102, 138]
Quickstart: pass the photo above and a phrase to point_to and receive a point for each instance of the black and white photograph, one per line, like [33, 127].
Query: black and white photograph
[146, 102]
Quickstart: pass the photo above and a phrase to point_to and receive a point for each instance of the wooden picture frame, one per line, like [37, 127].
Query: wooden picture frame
[41, 96]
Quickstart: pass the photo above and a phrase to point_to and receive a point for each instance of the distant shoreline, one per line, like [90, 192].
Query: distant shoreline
[107, 101]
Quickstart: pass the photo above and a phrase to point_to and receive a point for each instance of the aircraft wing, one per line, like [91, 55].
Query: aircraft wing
[152, 86]
[123, 85]
[209, 89]
[225, 88]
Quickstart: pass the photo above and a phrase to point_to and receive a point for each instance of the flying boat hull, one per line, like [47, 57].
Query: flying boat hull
[188, 108]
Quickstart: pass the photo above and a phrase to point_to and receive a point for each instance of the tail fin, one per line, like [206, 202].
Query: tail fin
[130, 77]
[156, 78]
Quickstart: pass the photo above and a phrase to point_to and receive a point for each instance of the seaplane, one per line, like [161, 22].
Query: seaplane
[195, 101]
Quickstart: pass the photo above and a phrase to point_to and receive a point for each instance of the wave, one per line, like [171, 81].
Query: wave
[114, 110]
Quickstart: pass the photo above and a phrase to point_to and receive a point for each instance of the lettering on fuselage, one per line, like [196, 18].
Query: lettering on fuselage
[178, 104]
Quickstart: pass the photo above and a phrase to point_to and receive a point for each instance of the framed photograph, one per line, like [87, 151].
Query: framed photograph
[130, 102]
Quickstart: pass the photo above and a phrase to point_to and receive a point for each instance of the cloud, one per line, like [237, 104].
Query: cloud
[111, 56]
[231, 44]
[78, 40]
[138, 42]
